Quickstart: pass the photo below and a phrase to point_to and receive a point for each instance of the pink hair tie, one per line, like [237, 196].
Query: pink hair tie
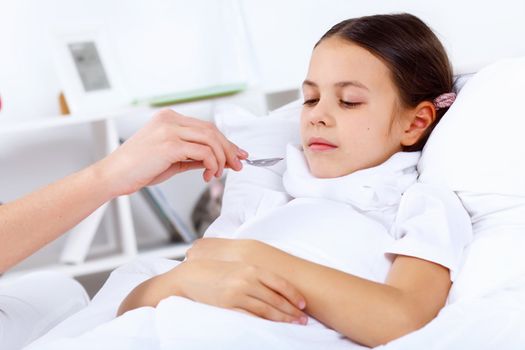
[444, 100]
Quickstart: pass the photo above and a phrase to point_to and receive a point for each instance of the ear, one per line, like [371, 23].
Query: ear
[419, 119]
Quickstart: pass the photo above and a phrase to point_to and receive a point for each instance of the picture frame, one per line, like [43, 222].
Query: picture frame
[88, 72]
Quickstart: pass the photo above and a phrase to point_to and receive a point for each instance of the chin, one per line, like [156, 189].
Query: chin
[324, 172]
[326, 167]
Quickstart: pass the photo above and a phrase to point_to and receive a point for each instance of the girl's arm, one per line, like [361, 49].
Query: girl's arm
[230, 285]
[367, 312]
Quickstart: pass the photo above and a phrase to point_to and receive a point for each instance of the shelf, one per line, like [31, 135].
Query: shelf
[73, 258]
[174, 251]
[65, 120]
[104, 140]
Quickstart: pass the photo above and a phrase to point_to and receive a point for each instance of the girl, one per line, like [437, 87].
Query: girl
[361, 248]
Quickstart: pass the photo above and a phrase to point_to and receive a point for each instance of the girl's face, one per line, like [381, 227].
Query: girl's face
[351, 115]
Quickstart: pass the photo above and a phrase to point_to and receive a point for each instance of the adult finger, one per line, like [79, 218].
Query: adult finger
[233, 152]
[206, 137]
[176, 168]
[198, 152]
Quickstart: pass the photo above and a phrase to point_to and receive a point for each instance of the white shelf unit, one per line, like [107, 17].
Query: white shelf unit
[118, 212]
[94, 266]
[105, 139]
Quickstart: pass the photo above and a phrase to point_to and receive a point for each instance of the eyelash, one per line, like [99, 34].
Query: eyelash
[350, 104]
[345, 104]
[309, 102]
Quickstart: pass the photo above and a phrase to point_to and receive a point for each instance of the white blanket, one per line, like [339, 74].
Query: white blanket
[495, 321]
[177, 323]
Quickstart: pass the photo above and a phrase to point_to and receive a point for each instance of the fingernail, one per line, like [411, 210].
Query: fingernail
[243, 153]
[205, 176]
[301, 304]
[238, 163]
[302, 321]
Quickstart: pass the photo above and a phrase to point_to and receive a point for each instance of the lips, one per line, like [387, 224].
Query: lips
[320, 144]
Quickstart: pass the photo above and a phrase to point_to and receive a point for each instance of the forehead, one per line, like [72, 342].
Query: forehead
[336, 59]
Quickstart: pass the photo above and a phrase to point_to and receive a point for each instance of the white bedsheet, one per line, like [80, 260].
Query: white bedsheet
[177, 323]
[495, 321]
[491, 322]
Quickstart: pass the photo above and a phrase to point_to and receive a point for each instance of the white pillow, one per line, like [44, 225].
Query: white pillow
[495, 259]
[252, 191]
[478, 150]
[479, 145]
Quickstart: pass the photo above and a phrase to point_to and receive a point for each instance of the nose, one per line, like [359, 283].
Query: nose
[318, 120]
[319, 115]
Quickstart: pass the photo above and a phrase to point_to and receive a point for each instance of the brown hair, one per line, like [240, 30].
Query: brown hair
[417, 60]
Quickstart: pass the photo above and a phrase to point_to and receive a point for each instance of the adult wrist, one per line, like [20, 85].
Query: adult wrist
[94, 183]
[105, 180]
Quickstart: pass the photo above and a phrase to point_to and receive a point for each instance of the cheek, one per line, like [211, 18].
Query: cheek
[362, 139]
[379, 129]
[354, 132]
[303, 128]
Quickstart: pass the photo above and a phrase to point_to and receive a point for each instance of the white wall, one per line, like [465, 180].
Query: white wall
[164, 46]
[160, 47]
[474, 32]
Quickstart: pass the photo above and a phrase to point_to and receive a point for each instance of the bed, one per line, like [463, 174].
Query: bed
[477, 150]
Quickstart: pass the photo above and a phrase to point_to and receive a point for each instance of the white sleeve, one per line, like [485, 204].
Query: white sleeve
[248, 193]
[433, 225]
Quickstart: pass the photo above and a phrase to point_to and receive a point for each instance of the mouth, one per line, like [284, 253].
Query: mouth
[318, 144]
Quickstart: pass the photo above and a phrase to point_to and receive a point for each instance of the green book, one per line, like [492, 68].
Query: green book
[194, 95]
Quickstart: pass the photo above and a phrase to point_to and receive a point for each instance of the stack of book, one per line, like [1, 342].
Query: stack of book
[175, 226]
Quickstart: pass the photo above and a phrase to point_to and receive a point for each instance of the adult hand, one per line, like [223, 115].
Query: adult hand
[169, 144]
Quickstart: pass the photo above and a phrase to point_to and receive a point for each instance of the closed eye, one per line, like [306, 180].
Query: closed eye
[348, 104]
[310, 102]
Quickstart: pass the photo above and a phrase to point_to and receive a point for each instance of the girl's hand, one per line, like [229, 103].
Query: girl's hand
[242, 287]
[230, 285]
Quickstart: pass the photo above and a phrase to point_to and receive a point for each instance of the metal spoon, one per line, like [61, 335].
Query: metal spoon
[263, 162]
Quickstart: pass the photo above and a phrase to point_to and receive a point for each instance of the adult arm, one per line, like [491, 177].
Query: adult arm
[170, 143]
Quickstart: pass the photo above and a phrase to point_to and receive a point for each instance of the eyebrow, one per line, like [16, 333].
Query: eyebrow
[340, 84]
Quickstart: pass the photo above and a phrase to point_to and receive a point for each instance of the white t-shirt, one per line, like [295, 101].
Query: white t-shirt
[356, 223]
